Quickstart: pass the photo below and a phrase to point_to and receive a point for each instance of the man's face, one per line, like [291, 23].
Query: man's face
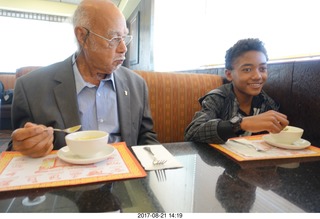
[249, 74]
[103, 56]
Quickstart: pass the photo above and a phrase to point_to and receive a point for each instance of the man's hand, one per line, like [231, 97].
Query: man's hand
[33, 140]
[271, 121]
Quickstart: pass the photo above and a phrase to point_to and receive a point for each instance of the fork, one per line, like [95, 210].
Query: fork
[161, 175]
[248, 144]
[155, 160]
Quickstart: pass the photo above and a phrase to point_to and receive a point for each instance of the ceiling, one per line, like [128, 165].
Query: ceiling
[60, 7]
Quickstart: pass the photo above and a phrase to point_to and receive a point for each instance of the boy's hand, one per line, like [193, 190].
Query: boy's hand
[271, 121]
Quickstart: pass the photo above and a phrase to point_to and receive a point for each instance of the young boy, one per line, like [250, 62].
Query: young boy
[241, 107]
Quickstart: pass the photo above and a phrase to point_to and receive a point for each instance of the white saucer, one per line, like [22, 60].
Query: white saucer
[297, 145]
[66, 155]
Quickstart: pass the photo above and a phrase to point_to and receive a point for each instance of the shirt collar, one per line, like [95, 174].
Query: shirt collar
[80, 83]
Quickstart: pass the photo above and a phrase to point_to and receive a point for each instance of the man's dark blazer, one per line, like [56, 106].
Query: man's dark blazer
[48, 96]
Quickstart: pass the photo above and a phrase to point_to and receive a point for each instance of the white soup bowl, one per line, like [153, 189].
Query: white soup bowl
[87, 144]
[288, 135]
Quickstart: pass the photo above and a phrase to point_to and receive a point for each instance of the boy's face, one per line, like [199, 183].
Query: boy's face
[249, 74]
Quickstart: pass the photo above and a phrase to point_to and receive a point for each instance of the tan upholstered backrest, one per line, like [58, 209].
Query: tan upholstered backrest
[8, 80]
[24, 70]
[174, 100]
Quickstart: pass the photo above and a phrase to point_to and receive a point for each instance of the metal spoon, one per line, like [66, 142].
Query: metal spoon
[69, 130]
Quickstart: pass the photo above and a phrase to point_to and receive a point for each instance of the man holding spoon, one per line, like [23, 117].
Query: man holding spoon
[90, 88]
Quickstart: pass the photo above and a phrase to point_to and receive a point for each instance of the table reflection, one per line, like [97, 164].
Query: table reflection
[94, 198]
[85, 198]
[210, 182]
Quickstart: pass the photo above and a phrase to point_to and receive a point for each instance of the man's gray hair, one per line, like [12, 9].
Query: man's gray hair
[80, 18]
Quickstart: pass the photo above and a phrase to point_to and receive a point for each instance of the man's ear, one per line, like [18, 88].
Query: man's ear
[228, 74]
[81, 35]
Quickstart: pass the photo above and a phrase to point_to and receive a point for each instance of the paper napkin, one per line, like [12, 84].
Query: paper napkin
[146, 159]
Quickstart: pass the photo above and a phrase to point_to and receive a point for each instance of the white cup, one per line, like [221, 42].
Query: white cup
[87, 144]
[288, 135]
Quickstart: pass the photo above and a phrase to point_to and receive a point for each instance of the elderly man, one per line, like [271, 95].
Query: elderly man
[90, 88]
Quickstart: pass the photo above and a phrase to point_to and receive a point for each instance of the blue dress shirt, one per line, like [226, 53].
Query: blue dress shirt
[98, 105]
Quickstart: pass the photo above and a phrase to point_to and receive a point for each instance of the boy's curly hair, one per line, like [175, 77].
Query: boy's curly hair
[242, 46]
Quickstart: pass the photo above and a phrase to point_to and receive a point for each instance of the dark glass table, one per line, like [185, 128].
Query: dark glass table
[208, 182]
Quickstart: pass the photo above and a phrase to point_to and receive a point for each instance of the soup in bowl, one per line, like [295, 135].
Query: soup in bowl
[87, 144]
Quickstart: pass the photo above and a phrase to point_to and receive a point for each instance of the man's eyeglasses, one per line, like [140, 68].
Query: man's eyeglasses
[114, 41]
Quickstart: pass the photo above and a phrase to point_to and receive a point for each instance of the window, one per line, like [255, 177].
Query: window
[27, 42]
[195, 34]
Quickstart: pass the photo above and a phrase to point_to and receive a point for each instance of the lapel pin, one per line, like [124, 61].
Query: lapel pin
[125, 92]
